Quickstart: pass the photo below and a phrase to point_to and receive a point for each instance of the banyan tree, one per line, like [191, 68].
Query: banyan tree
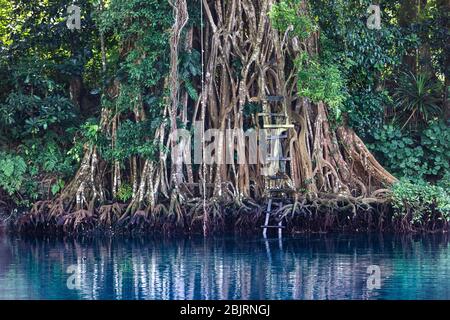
[251, 53]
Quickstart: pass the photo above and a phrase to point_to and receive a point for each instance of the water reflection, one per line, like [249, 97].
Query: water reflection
[313, 267]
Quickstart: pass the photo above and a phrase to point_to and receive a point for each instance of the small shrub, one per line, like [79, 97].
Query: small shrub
[419, 199]
[417, 98]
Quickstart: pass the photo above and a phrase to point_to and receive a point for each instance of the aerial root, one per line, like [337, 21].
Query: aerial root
[311, 212]
[110, 214]
[78, 222]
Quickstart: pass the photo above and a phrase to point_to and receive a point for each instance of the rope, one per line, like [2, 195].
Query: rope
[203, 120]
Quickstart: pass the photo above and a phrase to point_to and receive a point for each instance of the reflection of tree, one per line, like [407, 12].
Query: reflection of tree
[313, 267]
[5, 256]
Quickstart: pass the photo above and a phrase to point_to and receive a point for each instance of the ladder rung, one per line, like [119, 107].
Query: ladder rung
[274, 98]
[268, 114]
[279, 126]
[277, 227]
[283, 136]
[278, 159]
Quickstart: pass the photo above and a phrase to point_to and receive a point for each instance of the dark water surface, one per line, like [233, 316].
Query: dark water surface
[308, 267]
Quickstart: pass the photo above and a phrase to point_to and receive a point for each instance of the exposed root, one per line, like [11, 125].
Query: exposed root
[80, 221]
[321, 212]
[39, 217]
[110, 214]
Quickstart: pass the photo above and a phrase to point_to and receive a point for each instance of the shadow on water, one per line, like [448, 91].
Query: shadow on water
[307, 267]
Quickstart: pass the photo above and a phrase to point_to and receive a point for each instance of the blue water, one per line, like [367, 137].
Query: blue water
[309, 267]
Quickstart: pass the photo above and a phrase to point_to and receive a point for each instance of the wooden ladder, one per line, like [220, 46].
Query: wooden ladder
[279, 124]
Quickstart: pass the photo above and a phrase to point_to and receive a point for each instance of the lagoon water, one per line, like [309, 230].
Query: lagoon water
[306, 267]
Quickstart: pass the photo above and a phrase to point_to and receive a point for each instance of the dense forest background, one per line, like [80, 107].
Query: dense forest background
[102, 97]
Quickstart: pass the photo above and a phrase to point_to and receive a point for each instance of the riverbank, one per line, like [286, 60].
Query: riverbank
[302, 215]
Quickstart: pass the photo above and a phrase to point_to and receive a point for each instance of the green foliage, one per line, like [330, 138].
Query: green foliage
[141, 61]
[35, 110]
[417, 97]
[371, 62]
[366, 58]
[27, 115]
[47, 156]
[190, 68]
[21, 174]
[285, 15]
[37, 32]
[33, 75]
[321, 81]
[6, 8]
[145, 24]
[12, 171]
[57, 187]
[90, 130]
[401, 155]
[365, 110]
[132, 140]
[436, 142]
[445, 181]
[425, 156]
[125, 192]
[428, 22]
[419, 198]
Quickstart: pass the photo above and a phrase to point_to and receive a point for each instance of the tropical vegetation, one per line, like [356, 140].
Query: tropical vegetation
[87, 117]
